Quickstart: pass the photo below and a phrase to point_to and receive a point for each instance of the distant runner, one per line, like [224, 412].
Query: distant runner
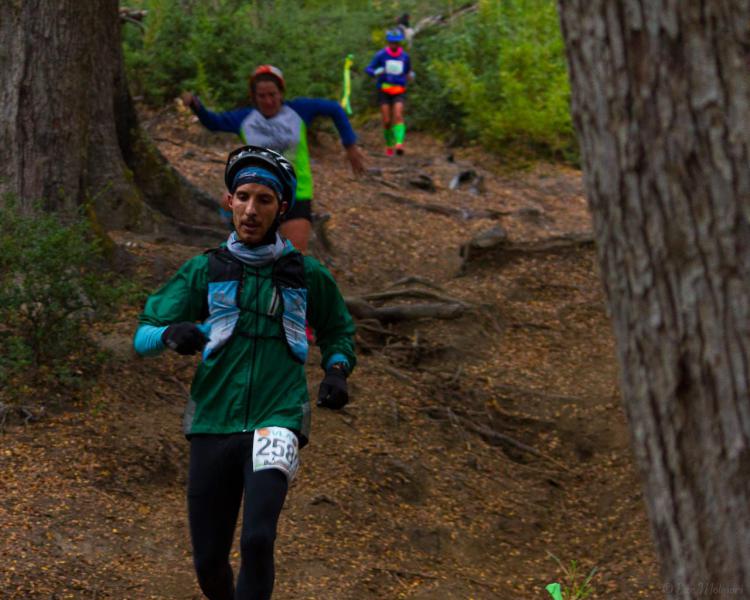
[282, 126]
[243, 307]
[392, 67]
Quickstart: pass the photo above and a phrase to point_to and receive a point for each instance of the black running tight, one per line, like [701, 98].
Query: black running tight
[221, 471]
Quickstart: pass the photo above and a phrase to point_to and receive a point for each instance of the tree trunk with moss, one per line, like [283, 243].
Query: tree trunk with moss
[661, 104]
[69, 134]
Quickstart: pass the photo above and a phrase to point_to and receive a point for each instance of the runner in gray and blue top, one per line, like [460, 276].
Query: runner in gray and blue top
[282, 126]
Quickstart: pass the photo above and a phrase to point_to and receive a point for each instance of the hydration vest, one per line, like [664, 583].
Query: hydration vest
[288, 304]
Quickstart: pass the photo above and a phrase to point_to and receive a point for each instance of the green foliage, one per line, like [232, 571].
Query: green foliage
[496, 76]
[212, 47]
[155, 60]
[52, 286]
[505, 68]
[576, 585]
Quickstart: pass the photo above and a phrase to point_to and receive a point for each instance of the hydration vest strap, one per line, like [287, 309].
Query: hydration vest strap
[289, 271]
[289, 279]
[222, 266]
[225, 278]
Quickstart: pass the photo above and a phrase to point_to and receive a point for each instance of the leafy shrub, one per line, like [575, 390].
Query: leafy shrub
[52, 286]
[505, 68]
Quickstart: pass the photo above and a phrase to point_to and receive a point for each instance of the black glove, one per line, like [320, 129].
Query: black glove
[184, 338]
[333, 390]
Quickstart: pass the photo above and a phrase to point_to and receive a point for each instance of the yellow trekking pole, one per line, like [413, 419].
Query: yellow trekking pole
[345, 100]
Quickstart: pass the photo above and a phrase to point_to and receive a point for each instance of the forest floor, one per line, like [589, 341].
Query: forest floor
[474, 448]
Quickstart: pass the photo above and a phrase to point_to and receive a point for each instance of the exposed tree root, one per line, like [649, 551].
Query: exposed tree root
[450, 211]
[410, 279]
[26, 414]
[361, 309]
[494, 243]
[413, 293]
[445, 307]
[489, 435]
[386, 183]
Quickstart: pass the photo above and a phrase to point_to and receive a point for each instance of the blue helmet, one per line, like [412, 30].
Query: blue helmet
[394, 35]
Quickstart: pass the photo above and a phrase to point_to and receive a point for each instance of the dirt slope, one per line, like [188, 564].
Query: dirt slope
[472, 447]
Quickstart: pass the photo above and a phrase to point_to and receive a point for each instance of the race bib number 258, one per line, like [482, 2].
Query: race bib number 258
[276, 448]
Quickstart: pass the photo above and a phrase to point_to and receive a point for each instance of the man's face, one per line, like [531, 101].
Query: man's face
[254, 208]
[268, 98]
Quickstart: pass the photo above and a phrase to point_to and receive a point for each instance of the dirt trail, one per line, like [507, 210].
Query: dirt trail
[412, 491]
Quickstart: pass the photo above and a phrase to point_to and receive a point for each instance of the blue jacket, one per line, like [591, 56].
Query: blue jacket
[285, 132]
[395, 68]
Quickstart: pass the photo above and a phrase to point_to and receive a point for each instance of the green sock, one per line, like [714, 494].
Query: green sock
[399, 132]
[388, 135]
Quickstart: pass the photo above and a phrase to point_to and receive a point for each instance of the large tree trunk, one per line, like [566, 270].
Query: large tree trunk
[68, 131]
[661, 104]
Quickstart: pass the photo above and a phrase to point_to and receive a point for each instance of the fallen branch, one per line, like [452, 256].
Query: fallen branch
[486, 241]
[435, 20]
[136, 14]
[450, 211]
[386, 183]
[135, 17]
[361, 309]
[414, 279]
[413, 293]
[494, 241]
[129, 19]
[26, 413]
[423, 182]
[489, 435]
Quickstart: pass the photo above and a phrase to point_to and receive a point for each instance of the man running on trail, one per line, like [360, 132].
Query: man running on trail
[243, 307]
[282, 126]
[392, 67]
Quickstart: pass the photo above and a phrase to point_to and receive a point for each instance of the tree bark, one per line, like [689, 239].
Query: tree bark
[69, 134]
[661, 105]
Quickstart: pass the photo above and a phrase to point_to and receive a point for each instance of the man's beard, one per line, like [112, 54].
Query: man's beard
[270, 237]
